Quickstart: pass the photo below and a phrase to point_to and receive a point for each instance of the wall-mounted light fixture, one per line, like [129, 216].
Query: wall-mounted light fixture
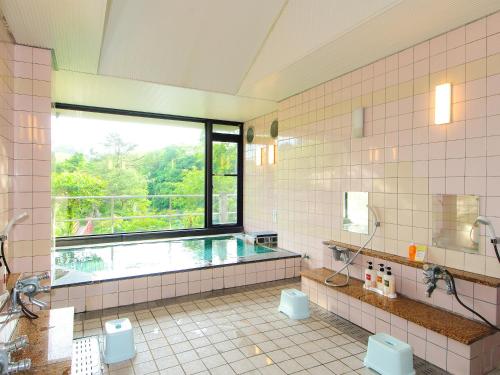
[271, 154]
[358, 119]
[258, 155]
[442, 104]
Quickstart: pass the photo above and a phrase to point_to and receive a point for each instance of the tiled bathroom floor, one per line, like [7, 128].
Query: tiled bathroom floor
[237, 331]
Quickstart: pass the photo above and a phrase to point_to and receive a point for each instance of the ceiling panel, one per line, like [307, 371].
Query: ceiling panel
[111, 92]
[74, 29]
[208, 45]
[398, 27]
[169, 50]
[305, 26]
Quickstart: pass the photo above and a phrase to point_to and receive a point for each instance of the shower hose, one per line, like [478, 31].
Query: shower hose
[2, 257]
[349, 262]
[454, 291]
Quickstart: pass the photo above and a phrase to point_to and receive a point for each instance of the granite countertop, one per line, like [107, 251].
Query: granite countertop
[441, 321]
[50, 338]
[459, 274]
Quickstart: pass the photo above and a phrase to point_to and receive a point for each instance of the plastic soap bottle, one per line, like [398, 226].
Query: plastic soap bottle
[389, 283]
[380, 277]
[370, 276]
[412, 251]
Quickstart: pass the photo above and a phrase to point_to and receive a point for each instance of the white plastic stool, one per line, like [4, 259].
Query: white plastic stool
[389, 356]
[294, 303]
[119, 341]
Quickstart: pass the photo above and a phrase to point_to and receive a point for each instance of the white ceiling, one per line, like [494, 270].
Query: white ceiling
[112, 92]
[220, 58]
[399, 26]
[207, 45]
[73, 28]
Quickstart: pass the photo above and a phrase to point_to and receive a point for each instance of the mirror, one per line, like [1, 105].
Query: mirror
[355, 212]
[453, 218]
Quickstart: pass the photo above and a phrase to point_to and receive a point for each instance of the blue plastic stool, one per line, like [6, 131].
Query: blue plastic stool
[119, 341]
[389, 356]
[294, 303]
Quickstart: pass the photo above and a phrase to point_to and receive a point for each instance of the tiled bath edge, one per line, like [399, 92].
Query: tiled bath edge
[107, 294]
[457, 358]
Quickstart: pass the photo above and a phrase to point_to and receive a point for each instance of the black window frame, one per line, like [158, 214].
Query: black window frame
[210, 137]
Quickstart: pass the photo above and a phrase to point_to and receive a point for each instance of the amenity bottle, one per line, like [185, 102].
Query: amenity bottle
[370, 276]
[389, 283]
[380, 277]
[412, 251]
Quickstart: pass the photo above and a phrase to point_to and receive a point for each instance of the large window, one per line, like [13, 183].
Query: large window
[117, 173]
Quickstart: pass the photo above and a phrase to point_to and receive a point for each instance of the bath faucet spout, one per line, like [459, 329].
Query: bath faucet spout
[433, 273]
[430, 289]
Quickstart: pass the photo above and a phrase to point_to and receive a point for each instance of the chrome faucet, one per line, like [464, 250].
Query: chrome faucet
[433, 273]
[8, 367]
[339, 253]
[30, 287]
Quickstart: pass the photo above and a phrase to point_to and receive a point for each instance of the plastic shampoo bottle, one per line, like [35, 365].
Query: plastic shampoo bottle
[370, 276]
[380, 278]
[389, 283]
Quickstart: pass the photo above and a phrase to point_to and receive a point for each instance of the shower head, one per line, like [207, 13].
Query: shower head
[374, 213]
[490, 230]
[11, 223]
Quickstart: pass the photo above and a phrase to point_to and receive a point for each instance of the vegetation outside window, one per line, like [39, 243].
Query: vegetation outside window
[115, 174]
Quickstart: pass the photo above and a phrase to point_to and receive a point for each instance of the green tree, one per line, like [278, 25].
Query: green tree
[74, 163]
[74, 184]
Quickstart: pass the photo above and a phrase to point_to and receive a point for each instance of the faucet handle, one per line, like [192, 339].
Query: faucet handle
[22, 365]
[43, 276]
[37, 302]
[16, 344]
[45, 289]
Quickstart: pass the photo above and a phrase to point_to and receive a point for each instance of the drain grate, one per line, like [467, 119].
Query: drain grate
[86, 356]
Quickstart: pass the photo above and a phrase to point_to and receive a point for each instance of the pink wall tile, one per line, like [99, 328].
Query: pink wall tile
[476, 147]
[475, 30]
[493, 44]
[455, 56]
[437, 45]
[435, 355]
[421, 51]
[23, 102]
[475, 108]
[437, 62]
[455, 38]
[486, 293]
[457, 364]
[23, 70]
[475, 89]
[418, 345]
[493, 84]
[475, 50]
[42, 72]
[493, 23]
[42, 56]
[493, 105]
[23, 53]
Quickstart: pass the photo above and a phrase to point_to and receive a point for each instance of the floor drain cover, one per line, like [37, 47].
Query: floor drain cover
[86, 357]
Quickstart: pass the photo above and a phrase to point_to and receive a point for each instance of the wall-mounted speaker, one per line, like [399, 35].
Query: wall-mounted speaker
[250, 135]
[274, 129]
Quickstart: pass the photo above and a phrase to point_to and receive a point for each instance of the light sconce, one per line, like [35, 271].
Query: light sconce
[358, 119]
[258, 155]
[442, 104]
[271, 154]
